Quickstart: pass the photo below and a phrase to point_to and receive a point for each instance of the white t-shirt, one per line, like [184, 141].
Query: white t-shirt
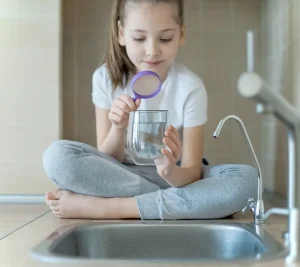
[183, 94]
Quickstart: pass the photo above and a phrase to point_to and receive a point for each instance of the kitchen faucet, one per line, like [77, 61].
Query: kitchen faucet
[257, 207]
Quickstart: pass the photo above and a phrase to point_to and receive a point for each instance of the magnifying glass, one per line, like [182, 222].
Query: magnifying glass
[145, 84]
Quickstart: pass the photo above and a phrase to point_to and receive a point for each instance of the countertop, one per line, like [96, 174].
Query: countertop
[15, 248]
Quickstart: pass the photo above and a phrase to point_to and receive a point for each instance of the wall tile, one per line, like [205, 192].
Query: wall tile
[30, 100]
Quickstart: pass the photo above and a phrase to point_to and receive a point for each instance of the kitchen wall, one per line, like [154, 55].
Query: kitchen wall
[281, 69]
[29, 92]
[215, 50]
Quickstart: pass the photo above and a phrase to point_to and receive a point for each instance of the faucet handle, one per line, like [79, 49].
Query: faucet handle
[250, 205]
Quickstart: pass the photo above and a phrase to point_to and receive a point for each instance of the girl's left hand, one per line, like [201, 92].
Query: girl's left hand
[166, 164]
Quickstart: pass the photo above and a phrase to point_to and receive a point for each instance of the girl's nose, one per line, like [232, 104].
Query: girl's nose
[152, 49]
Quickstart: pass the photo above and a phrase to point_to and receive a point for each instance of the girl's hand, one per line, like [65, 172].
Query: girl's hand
[166, 164]
[120, 110]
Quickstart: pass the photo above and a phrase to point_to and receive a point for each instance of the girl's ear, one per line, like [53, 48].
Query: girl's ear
[121, 34]
[182, 35]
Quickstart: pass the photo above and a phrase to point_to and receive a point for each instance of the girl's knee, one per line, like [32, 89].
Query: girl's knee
[240, 171]
[248, 172]
[248, 169]
[55, 158]
[242, 185]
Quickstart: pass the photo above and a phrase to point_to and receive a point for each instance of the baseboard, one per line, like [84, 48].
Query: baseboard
[22, 199]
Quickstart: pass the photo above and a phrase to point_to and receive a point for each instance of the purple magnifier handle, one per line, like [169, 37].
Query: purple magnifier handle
[155, 90]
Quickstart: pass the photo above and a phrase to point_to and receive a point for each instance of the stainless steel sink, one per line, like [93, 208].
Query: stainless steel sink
[160, 241]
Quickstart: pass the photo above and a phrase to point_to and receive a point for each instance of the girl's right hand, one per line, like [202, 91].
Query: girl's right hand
[120, 110]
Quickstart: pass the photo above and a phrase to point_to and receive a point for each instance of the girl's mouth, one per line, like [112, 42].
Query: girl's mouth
[153, 63]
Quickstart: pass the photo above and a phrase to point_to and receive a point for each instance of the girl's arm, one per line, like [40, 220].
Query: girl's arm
[192, 154]
[110, 140]
[112, 124]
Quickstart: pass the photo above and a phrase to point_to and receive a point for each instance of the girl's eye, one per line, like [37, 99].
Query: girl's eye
[165, 40]
[139, 39]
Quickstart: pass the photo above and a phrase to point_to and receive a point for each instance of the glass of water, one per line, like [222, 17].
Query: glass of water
[146, 130]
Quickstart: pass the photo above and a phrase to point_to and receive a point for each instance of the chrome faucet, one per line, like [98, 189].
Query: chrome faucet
[257, 207]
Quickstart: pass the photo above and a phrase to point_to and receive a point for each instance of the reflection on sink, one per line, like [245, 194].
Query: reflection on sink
[165, 241]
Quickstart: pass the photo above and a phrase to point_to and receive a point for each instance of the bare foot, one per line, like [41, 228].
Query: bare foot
[67, 204]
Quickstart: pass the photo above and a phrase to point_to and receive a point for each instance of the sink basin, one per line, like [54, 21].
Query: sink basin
[159, 241]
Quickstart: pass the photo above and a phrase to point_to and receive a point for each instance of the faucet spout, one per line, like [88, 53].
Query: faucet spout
[259, 207]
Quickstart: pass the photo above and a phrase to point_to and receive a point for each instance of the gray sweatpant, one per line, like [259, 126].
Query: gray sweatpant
[222, 191]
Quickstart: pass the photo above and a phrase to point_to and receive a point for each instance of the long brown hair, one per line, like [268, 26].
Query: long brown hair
[118, 64]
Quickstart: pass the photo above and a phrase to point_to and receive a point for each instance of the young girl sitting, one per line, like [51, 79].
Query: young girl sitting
[103, 182]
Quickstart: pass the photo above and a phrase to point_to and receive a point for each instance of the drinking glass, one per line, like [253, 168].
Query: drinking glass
[146, 130]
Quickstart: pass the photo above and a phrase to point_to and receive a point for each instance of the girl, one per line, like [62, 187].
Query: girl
[103, 183]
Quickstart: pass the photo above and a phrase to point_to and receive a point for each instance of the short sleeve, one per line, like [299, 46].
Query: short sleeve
[195, 107]
[102, 89]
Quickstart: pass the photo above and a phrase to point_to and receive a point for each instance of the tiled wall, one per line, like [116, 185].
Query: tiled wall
[215, 50]
[281, 69]
[29, 91]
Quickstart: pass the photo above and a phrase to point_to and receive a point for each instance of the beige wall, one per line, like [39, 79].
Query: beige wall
[281, 68]
[29, 91]
[215, 50]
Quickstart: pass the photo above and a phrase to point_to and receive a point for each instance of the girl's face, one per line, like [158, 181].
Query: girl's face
[151, 36]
